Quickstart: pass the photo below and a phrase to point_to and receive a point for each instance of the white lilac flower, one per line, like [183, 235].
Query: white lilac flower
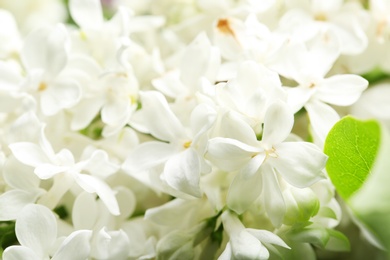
[62, 167]
[10, 36]
[173, 128]
[44, 57]
[250, 93]
[25, 189]
[247, 243]
[258, 162]
[347, 21]
[36, 230]
[182, 149]
[308, 66]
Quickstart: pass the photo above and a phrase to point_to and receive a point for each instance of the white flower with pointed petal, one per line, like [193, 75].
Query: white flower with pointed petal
[36, 230]
[253, 90]
[347, 21]
[259, 161]
[66, 171]
[25, 189]
[180, 154]
[44, 56]
[308, 67]
[246, 243]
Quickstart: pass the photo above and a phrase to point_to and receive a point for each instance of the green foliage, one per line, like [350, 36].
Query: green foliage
[7, 235]
[359, 167]
[352, 146]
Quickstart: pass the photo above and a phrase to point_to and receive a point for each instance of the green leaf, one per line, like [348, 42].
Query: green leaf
[371, 204]
[359, 167]
[352, 146]
[338, 242]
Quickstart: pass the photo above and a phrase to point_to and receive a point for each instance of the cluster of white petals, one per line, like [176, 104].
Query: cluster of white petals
[174, 129]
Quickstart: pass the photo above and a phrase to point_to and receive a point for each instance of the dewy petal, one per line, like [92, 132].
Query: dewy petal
[29, 153]
[341, 90]
[182, 172]
[36, 228]
[76, 246]
[45, 49]
[230, 154]
[248, 181]
[13, 201]
[20, 253]
[148, 155]
[92, 184]
[156, 117]
[322, 118]
[273, 198]
[278, 123]
[87, 14]
[299, 163]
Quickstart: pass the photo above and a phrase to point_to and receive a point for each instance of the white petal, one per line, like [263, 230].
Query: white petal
[45, 49]
[202, 118]
[195, 60]
[233, 126]
[29, 153]
[20, 253]
[85, 211]
[10, 77]
[60, 95]
[13, 201]
[76, 246]
[273, 198]
[46, 171]
[19, 176]
[157, 118]
[114, 111]
[85, 111]
[174, 212]
[246, 246]
[92, 184]
[322, 118]
[36, 228]
[341, 90]
[297, 97]
[374, 103]
[111, 245]
[248, 182]
[227, 253]
[87, 14]
[278, 123]
[127, 202]
[169, 84]
[182, 172]
[300, 163]
[229, 154]
[148, 155]
[266, 236]
[99, 164]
